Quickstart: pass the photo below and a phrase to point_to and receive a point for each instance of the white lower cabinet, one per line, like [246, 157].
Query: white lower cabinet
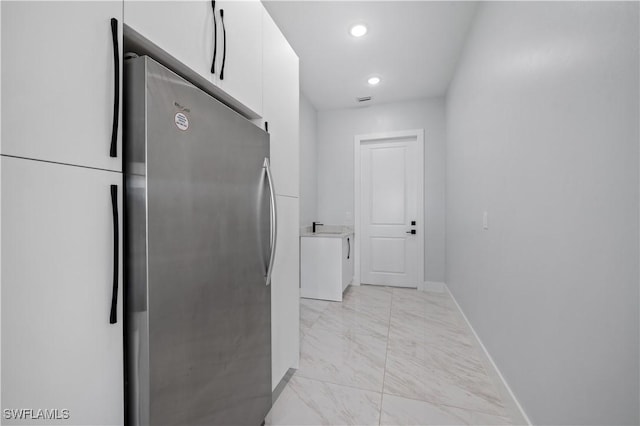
[285, 291]
[347, 261]
[327, 266]
[59, 349]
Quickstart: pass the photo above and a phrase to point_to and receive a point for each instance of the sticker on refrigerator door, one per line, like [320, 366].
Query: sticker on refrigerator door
[181, 121]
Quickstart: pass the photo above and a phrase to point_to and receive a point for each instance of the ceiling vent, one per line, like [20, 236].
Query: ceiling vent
[363, 99]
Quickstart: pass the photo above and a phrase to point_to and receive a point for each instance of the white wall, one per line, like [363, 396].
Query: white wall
[336, 131]
[308, 162]
[542, 120]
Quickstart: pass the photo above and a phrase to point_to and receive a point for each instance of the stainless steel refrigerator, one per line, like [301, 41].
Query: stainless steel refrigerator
[200, 240]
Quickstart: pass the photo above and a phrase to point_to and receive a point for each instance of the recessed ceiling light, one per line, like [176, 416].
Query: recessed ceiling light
[373, 80]
[358, 30]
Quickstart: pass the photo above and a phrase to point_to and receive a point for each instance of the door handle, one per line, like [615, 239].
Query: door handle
[274, 220]
[412, 232]
[113, 152]
[113, 317]
[224, 44]
[215, 38]
[349, 245]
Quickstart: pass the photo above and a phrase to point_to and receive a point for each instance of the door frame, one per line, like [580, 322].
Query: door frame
[388, 137]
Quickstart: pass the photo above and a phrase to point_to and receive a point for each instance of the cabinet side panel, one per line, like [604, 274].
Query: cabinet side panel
[137, 315]
[285, 296]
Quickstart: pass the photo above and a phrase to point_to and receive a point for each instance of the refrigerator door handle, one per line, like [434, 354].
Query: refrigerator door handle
[274, 220]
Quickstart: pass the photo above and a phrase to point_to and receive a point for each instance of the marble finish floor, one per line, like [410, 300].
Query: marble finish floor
[387, 356]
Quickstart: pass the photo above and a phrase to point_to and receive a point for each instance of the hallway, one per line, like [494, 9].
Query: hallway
[388, 356]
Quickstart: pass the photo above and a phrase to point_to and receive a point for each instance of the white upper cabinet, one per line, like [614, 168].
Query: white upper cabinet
[58, 81]
[184, 29]
[240, 51]
[281, 107]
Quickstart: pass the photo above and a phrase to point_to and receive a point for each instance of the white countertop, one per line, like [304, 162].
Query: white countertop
[327, 231]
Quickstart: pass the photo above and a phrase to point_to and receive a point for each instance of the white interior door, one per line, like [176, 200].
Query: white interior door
[391, 212]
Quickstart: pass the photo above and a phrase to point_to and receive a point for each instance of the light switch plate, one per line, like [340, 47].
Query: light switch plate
[485, 221]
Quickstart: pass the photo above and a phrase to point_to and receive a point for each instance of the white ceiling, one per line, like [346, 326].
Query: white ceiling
[413, 46]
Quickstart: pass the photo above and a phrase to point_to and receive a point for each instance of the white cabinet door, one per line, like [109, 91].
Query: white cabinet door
[326, 267]
[58, 81]
[285, 291]
[242, 56]
[59, 350]
[281, 108]
[347, 261]
[183, 29]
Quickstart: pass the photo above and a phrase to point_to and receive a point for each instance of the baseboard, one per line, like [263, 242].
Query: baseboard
[283, 383]
[514, 408]
[432, 286]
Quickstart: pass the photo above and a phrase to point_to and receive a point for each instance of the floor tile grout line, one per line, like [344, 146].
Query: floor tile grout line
[481, 356]
[394, 300]
[342, 384]
[368, 333]
[440, 404]
[336, 384]
[481, 411]
[300, 305]
[320, 315]
[386, 354]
